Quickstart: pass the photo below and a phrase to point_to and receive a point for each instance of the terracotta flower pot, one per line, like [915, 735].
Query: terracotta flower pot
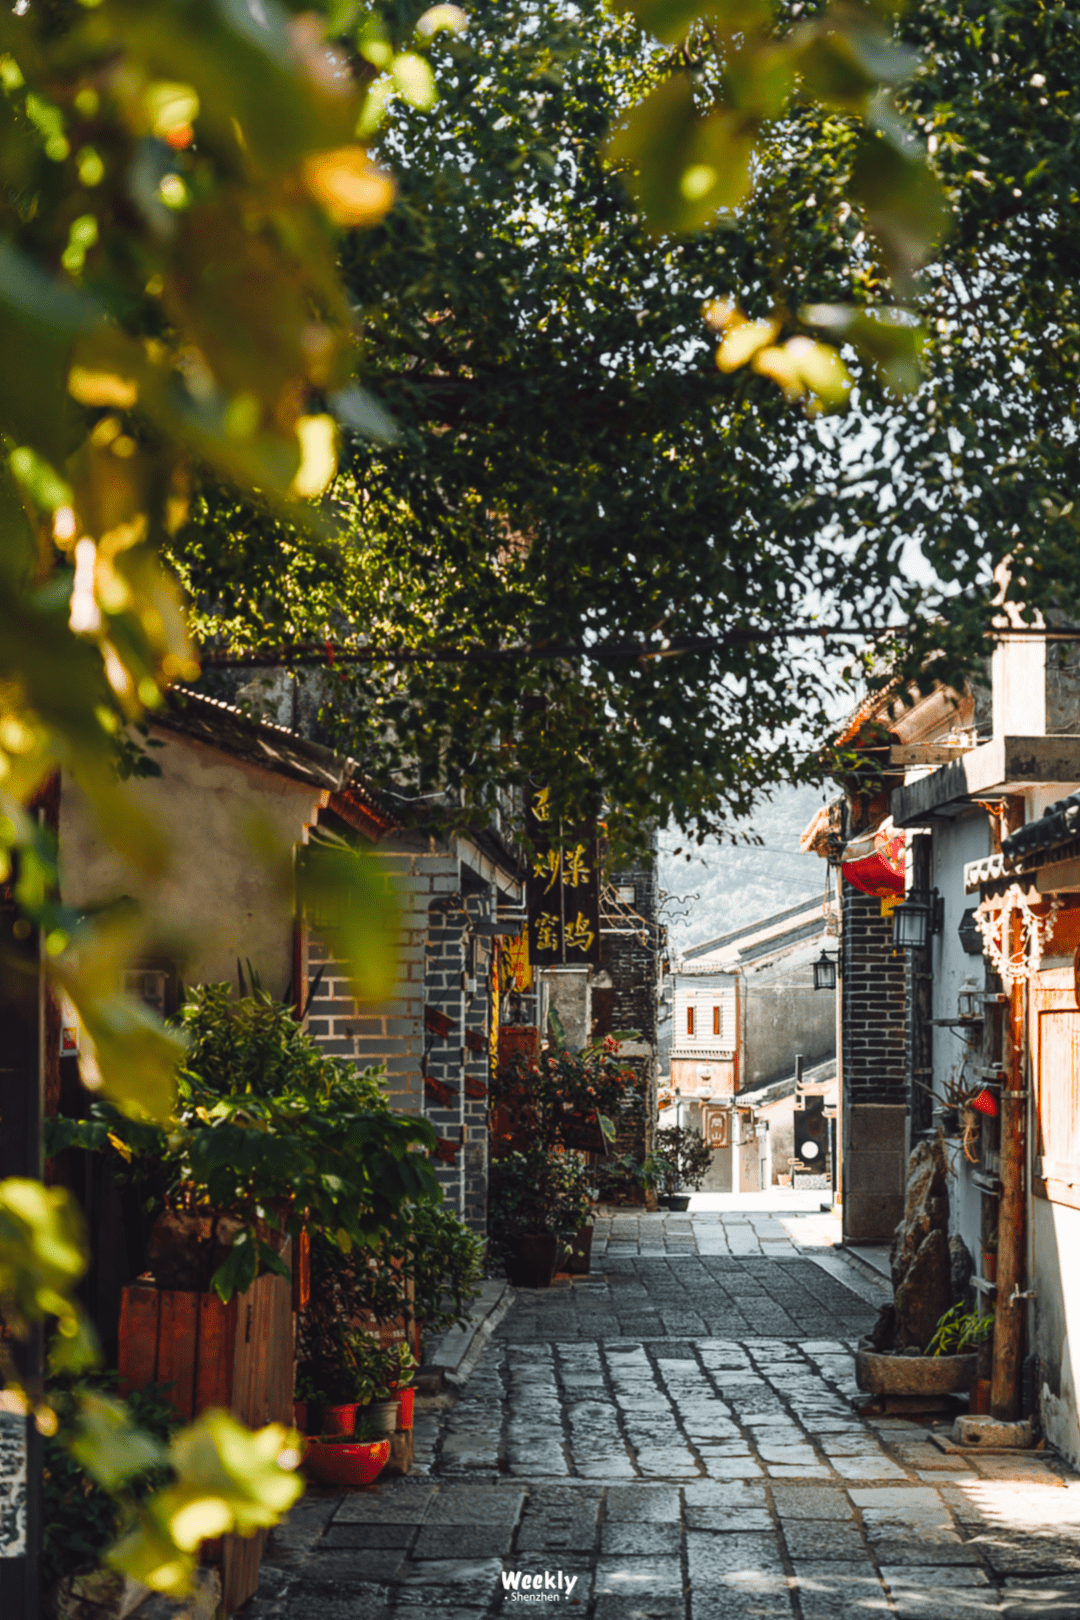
[300, 1415]
[531, 1264]
[338, 1419]
[980, 1397]
[346, 1464]
[405, 1400]
[989, 1266]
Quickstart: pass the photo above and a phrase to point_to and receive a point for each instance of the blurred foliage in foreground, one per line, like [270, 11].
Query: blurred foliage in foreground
[173, 179]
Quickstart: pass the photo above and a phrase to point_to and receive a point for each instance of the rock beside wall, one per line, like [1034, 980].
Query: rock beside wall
[925, 1293]
[926, 1207]
[922, 1258]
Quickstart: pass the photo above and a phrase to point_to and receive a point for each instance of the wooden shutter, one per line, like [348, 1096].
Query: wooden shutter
[1056, 1065]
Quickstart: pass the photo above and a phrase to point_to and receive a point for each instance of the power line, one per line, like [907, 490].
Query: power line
[314, 654]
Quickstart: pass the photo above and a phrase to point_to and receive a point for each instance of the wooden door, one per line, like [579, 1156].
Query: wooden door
[1055, 1041]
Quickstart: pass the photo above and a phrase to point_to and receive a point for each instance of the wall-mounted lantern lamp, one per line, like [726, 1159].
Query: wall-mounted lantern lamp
[825, 972]
[916, 918]
[970, 937]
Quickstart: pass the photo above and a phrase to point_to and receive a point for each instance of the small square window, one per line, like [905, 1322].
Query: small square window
[627, 892]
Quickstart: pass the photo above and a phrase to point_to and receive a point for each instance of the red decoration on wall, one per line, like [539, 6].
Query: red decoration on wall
[437, 1023]
[476, 1040]
[440, 1091]
[475, 1088]
[447, 1150]
[873, 876]
[881, 873]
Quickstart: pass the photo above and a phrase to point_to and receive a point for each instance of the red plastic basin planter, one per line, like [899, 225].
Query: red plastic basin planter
[346, 1462]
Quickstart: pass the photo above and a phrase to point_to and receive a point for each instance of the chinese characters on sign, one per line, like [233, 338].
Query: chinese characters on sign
[563, 892]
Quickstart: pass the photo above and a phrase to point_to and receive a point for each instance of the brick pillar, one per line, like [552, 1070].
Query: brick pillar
[444, 992]
[873, 1028]
[481, 907]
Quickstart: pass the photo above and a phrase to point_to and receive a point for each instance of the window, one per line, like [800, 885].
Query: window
[689, 1020]
[716, 1020]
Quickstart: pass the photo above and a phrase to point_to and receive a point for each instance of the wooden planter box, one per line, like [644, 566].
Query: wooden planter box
[238, 1355]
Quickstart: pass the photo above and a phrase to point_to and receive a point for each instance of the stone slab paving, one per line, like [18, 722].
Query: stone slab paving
[639, 1446]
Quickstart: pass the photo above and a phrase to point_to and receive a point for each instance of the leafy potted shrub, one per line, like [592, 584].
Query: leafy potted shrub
[361, 1377]
[381, 1372]
[535, 1205]
[687, 1158]
[420, 1275]
[630, 1180]
[547, 1100]
[947, 1366]
[269, 1136]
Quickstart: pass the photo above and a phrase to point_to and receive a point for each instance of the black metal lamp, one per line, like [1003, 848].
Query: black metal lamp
[825, 971]
[915, 919]
[970, 937]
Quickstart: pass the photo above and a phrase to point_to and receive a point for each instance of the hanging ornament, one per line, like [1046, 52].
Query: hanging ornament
[994, 917]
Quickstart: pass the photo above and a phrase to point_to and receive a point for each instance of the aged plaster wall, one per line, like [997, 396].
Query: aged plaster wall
[785, 1015]
[1056, 1242]
[218, 901]
[967, 838]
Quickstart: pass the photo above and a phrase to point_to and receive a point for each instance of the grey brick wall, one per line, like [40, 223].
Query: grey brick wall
[436, 958]
[873, 993]
[633, 963]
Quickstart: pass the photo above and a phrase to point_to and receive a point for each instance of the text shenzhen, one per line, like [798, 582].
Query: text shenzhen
[545, 1588]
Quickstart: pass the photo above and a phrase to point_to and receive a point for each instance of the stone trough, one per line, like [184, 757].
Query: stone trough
[880, 1374]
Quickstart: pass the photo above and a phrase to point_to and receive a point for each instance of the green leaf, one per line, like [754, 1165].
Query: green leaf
[671, 20]
[347, 897]
[904, 202]
[109, 1445]
[413, 76]
[683, 167]
[228, 1479]
[892, 338]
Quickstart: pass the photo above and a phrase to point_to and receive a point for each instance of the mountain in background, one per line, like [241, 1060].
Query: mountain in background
[726, 885]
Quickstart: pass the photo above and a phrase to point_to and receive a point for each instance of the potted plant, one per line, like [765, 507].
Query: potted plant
[269, 1136]
[345, 1460]
[578, 1197]
[548, 1100]
[383, 1371]
[362, 1376]
[947, 1366]
[535, 1204]
[689, 1157]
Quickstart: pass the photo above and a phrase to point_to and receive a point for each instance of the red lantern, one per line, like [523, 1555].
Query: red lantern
[986, 1103]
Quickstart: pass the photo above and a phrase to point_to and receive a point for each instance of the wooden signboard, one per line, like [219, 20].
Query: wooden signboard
[717, 1127]
[562, 890]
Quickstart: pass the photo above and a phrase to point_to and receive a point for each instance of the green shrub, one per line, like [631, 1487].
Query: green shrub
[270, 1130]
[80, 1520]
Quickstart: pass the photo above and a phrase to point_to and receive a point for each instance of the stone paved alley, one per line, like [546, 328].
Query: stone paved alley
[674, 1434]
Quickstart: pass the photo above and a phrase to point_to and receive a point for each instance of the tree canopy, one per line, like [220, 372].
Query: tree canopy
[570, 466]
